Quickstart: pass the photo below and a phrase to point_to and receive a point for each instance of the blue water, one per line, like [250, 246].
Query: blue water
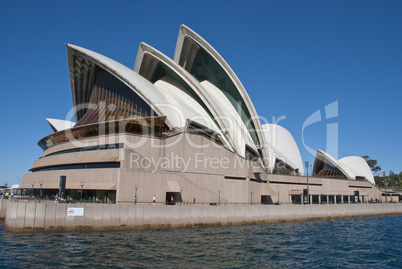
[370, 242]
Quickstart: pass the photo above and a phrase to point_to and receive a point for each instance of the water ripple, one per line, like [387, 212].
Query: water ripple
[372, 242]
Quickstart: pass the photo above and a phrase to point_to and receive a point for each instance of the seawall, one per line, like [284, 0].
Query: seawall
[3, 208]
[30, 216]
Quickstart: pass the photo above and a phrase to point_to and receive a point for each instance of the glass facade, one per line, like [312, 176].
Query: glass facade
[99, 147]
[80, 166]
[282, 168]
[111, 99]
[206, 68]
[323, 168]
[235, 178]
[74, 195]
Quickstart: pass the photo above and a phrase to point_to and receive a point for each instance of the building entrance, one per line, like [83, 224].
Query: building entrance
[266, 200]
[296, 199]
[173, 197]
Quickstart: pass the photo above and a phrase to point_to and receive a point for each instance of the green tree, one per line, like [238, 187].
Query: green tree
[373, 164]
[379, 181]
[400, 179]
[392, 179]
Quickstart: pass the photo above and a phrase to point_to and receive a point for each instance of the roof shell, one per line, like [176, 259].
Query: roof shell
[358, 166]
[163, 103]
[181, 57]
[323, 155]
[232, 121]
[126, 75]
[213, 100]
[188, 108]
[60, 125]
[282, 145]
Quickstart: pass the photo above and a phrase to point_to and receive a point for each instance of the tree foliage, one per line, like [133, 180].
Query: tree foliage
[392, 180]
[373, 164]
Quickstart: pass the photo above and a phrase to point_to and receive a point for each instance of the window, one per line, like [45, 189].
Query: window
[91, 148]
[235, 178]
[79, 166]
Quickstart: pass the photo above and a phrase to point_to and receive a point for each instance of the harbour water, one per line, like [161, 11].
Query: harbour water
[367, 242]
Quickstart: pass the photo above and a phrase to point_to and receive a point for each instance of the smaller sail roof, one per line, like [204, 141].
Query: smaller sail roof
[352, 167]
[322, 156]
[358, 166]
[60, 125]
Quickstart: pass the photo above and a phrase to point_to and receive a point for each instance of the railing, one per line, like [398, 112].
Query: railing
[69, 201]
[390, 188]
[186, 203]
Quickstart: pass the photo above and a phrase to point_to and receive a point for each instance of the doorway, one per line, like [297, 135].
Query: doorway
[173, 197]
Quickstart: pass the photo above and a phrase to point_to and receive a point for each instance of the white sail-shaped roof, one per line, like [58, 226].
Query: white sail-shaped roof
[228, 115]
[281, 145]
[162, 102]
[189, 108]
[358, 166]
[80, 86]
[187, 46]
[211, 98]
[352, 167]
[323, 156]
[60, 125]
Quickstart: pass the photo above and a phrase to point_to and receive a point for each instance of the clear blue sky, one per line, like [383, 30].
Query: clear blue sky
[293, 58]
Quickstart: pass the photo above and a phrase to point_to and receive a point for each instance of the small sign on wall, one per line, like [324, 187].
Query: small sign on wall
[74, 212]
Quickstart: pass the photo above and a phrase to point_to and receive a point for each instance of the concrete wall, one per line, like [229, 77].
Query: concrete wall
[286, 185]
[3, 208]
[30, 216]
[201, 170]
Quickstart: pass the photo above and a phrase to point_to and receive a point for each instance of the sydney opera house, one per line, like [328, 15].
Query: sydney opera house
[179, 130]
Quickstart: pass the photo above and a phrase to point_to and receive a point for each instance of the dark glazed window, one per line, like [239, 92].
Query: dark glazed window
[206, 68]
[235, 178]
[101, 147]
[323, 168]
[80, 166]
[111, 99]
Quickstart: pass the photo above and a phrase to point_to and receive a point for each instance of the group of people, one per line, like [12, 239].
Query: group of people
[58, 199]
[171, 201]
[5, 195]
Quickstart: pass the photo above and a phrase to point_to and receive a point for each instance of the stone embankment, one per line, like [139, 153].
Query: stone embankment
[32, 216]
[3, 208]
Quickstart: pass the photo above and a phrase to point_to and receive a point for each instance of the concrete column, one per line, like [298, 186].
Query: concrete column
[319, 199]
[348, 199]
[341, 199]
[290, 199]
[334, 199]
[311, 199]
[302, 199]
[327, 199]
